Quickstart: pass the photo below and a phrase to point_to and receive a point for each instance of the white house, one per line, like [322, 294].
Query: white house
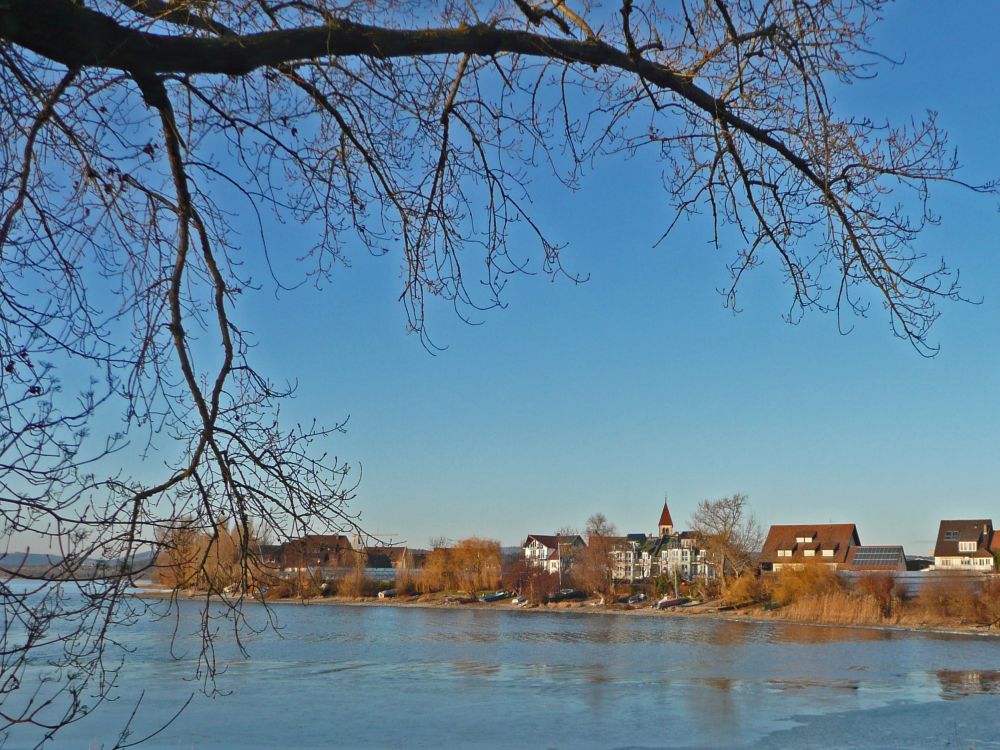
[966, 545]
[551, 552]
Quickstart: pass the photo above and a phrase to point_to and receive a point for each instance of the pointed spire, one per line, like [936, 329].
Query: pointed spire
[666, 524]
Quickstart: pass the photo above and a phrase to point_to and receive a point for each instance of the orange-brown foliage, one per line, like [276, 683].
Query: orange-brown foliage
[792, 584]
[749, 588]
[471, 565]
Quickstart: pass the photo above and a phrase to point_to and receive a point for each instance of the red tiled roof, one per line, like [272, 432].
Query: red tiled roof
[665, 519]
[839, 537]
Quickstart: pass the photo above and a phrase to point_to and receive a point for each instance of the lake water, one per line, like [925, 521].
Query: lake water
[342, 676]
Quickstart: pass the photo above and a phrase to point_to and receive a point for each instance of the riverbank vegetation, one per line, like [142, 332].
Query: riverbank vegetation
[816, 593]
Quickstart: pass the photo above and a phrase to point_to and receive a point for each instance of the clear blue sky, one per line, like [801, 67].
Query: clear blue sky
[605, 396]
[602, 397]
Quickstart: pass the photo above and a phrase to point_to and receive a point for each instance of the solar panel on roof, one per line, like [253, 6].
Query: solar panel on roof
[877, 555]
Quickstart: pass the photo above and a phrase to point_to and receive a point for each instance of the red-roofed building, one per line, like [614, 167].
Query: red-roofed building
[796, 545]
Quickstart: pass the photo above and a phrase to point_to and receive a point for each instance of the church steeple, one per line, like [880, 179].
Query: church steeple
[666, 524]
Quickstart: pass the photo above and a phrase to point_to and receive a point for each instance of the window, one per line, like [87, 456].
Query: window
[966, 546]
[828, 553]
[805, 539]
[951, 536]
[809, 553]
[784, 553]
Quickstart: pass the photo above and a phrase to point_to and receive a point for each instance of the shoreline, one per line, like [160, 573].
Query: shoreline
[708, 611]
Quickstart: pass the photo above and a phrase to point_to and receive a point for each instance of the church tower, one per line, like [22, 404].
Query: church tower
[666, 524]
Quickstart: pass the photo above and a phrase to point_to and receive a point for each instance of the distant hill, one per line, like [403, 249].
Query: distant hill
[38, 564]
[15, 560]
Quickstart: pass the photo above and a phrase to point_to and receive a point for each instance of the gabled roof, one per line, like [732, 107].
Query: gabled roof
[978, 530]
[552, 541]
[839, 537]
[323, 541]
[665, 519]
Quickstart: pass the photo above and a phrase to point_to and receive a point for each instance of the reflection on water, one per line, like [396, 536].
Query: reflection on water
[816, 634]
[397, 677]
[803, 684]
[959, 684]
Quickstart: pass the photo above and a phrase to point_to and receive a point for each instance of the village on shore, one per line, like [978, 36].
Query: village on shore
[965, 545]
[814, 572]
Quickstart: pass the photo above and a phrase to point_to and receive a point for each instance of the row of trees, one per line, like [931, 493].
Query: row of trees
[225, 555]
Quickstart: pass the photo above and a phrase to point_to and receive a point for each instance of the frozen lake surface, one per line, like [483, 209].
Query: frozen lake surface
[343, 676]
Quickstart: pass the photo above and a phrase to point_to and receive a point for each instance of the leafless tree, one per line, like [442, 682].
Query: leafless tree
[594, 568]
[597, 526]
[730, 533]
[410, 129]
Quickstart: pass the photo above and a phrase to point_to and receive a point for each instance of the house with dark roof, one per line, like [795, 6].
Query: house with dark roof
[798, 544]
[317, 551]
[968, 544]
[398, 556]
[552, 552]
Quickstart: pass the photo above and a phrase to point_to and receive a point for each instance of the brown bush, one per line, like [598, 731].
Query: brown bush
[793, 584]
[749, 588]
[406, 583]
[836, 605]
[355, 584]
[989, 597]
[954, 600]
[280, 589]
[881, 587]
[705, 588]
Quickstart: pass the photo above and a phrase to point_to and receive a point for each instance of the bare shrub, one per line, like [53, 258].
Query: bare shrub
[280, 589]
[406, 583]
[989, 598]
[947, 600]
[792, 584]
[749, 588]
[836, 605]
[881, 587]
[704, 587]
[354, 584]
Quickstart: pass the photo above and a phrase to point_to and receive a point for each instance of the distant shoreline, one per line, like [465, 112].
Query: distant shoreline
[709, 611]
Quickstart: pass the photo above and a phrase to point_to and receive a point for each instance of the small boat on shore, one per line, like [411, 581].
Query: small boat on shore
[494, 597]
[671, 601]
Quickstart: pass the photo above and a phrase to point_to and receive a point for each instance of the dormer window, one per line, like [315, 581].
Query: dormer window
[809, 552]
[966, 546]
[828, 553]
[951, 536]
[805, 539]
[784, 553]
